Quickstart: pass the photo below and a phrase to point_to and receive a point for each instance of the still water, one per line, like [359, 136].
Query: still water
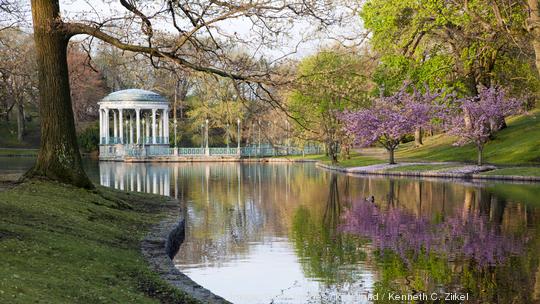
[292, 233]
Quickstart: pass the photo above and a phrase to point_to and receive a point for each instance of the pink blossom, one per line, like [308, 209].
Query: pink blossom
[390, 118]
[475, 119]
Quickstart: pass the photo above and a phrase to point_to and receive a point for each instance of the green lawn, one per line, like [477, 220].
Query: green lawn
[517, 144]
[356, 160]
[420, 168]
[60, 244]
[523, 171]
[307, 157]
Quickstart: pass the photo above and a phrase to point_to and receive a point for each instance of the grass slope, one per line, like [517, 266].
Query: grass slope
[357, 160]
[60, 244]
[523, 171]
[517, 144]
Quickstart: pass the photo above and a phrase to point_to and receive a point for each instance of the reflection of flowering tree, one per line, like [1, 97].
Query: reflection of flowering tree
[407, 235]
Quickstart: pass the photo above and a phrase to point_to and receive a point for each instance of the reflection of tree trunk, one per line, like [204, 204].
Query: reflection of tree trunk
[484, 202]
[497, 210]
[346, 192]
[333, 205]
[391, 194]
[418, 192]
[467, 202]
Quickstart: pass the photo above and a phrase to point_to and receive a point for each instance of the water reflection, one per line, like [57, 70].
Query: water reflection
[136, 177]
[257, 233]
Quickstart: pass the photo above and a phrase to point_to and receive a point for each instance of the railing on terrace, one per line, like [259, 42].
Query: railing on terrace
[266, 151]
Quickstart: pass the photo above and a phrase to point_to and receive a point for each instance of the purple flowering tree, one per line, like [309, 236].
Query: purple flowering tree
[389, 119]
[477, 118]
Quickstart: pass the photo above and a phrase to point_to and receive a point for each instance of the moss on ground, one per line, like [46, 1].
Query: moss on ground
[61, 244]
[519, 143]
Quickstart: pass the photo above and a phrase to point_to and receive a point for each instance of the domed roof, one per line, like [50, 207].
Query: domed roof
[134, 95]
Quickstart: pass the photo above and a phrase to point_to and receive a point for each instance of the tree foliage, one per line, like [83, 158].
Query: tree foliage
[452, 44]
[329, 82]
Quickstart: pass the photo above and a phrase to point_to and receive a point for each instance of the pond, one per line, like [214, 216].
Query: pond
[293, 233]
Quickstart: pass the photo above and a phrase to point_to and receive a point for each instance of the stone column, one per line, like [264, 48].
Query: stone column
[107, 131]
[160, 128]
[115, 127]
[147, 121]
[153, 126]
[165, 126]
[131, 128]
[100, 126]
[138, 124]
[121, 119]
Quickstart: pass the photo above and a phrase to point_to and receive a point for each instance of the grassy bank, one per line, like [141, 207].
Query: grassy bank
[519, 143]
[355, 160]
[18, 152]
[60, 244]
[421, 168]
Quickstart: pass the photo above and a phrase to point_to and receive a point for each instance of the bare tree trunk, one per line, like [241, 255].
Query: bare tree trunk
[480, 156]
[534, 30]
[20, 120]
[391, 156]
[418, 137]
[58, 158]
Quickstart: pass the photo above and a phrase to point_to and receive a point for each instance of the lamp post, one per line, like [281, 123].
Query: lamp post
[288, 139]
[227, 137]
[175, 130]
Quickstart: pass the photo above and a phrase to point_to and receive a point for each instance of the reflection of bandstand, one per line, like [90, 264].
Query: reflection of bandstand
[140, 132]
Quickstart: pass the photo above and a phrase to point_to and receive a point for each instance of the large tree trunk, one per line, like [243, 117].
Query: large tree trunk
[58, 158]
[534, 29]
